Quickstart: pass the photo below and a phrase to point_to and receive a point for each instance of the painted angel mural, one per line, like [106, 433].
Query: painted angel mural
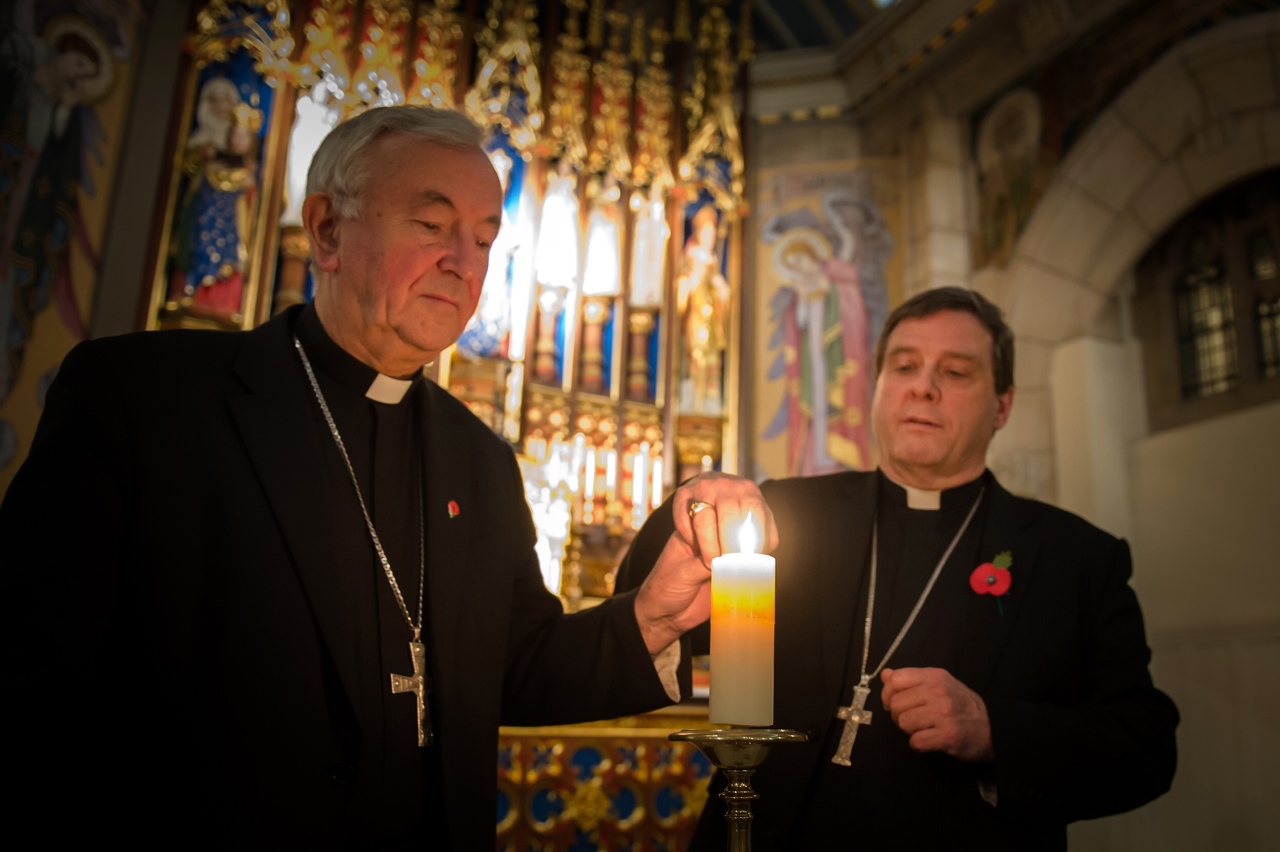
[50, 78]
[825, 318]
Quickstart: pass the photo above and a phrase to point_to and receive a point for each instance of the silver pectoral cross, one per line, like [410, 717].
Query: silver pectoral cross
[853, 716]
[418, 686]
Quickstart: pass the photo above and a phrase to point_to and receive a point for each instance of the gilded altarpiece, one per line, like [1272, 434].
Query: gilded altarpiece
[604, 345]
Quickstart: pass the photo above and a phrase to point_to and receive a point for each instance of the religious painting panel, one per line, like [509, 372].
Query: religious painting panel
[1016, 155]
[703, 300]
[66, 83]
[827, 272]
[213, 230]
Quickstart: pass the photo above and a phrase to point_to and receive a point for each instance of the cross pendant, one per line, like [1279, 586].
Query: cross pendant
[853, 716]
[418, 686]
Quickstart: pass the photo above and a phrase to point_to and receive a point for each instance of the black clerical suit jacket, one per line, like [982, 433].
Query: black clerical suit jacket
[1061, 661]
[176, 656]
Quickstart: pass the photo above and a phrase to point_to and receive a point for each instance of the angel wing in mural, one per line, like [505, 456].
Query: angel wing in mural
[831, 303]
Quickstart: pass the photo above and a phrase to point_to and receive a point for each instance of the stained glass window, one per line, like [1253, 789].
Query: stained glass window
[1206, 324]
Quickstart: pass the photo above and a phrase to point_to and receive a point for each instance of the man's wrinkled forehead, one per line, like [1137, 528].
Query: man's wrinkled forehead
[428, 198]
[911, 337]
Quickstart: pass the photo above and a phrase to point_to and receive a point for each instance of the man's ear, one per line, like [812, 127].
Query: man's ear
[321, 221]
[1004, 406]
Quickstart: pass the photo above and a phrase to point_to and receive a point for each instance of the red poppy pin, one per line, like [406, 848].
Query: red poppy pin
[993, 578]
[454, 511]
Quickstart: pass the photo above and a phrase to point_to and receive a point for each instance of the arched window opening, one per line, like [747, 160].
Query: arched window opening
[1207, 307]
[1206, 322]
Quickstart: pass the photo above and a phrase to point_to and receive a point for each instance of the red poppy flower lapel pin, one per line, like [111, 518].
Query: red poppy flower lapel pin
[454, 511]
[994, 578]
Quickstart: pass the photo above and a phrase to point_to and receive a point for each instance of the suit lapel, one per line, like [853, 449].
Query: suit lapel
[275, 419]
[449, 514]
[990, 621]
[845, 562]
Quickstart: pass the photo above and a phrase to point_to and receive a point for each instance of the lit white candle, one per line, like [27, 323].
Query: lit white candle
[742, 618]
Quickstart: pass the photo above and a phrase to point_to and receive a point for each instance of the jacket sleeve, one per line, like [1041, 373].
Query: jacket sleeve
[63, 538]
[1110, 750]
[63, 520]
[562, 669]
[635, 567]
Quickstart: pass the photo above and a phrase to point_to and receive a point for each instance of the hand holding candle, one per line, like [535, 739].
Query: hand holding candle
[729, 499]
[742, 621]
[676, 593]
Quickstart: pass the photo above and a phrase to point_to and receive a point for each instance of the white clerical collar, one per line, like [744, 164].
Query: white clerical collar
[387, 390]
[918, 498]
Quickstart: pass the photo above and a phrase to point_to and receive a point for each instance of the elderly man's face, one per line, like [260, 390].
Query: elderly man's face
[936, 408]
[412, 264]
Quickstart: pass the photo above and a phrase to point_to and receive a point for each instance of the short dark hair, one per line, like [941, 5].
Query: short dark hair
[964, 301]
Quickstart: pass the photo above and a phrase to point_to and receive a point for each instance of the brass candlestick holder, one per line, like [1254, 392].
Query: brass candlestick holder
[738, 752]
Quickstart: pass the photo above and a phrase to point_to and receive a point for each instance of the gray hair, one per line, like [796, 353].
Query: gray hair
[341, 163]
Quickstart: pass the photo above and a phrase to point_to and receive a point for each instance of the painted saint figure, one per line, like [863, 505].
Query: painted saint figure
[210, 247]
[702, 299]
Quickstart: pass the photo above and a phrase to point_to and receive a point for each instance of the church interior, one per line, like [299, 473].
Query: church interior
[688, 183]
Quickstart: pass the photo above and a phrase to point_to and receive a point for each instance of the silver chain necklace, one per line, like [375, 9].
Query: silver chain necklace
[415, 683]
[856, 713]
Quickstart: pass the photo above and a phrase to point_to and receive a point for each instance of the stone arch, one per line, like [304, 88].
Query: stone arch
[1205, 115]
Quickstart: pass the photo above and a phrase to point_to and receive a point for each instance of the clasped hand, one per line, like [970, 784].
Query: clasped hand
[938, 712]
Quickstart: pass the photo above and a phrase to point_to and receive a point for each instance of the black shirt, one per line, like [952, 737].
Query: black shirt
[902, 793]
[395, 785]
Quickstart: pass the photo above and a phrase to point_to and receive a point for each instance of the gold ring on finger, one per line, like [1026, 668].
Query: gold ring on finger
[697, 506]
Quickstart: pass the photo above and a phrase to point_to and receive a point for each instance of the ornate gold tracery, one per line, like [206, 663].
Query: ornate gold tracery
[611, 119]
[508, 89]
[435, 75]
[570, 70]
[222, 28]
[713, 159]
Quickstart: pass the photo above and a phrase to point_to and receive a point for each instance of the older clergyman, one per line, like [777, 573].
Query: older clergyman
[275, 587]
[971, 667]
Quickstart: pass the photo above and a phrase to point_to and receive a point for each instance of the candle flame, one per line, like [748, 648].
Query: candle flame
[748, 536]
